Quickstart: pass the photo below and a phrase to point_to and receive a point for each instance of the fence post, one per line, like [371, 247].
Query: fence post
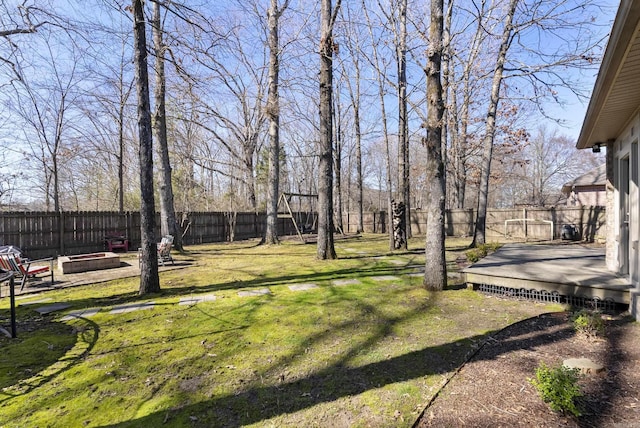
[61, 231]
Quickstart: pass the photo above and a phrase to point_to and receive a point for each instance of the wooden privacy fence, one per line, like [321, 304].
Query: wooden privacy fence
[516, 223]
[49, 234]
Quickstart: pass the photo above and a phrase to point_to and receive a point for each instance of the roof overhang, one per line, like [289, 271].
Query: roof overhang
[616, 94]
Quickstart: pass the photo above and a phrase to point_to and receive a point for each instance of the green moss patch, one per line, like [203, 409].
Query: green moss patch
[370, 353]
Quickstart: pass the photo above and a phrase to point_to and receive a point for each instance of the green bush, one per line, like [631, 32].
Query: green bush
[494, 246]
[472, 255]
[588, 323]
[558, 387]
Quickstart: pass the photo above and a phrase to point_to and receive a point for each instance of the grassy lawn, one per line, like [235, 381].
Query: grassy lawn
[369, 352]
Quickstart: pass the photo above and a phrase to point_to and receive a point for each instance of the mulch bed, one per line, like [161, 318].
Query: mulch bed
[493, 388]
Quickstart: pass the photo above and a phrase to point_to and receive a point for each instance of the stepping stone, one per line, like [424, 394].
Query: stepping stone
[52, 308]
[385, 278]
[82, 313]
[35, 302]
[585, 365]
[258, 292]
[28, 296]
[302, 287]
[417, 274]
[341, 282]
[134, 307]
[197, 299]
[397, 262]
[455, 275]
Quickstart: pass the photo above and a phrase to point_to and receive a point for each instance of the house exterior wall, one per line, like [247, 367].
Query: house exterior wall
[588, 196]
[624, 256]
[612, 244]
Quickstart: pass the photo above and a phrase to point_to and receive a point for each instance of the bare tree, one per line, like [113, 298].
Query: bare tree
[463, 57]
[149, 278]
[48, 107]
[168, 222]
[534, 174]
[273, 113]
[325, 247]
[349, 72]
[108, 106]
[235, 117]
[403, 121]
[490, 128]
[377, 61]
[435, 276]
[15, 20]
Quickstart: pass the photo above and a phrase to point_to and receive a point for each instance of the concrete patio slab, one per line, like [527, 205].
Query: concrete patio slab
[569, 269]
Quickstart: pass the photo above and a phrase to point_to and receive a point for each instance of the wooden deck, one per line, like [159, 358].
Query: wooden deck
[569, 269]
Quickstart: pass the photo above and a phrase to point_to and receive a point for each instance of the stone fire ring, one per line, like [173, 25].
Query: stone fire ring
[87, 262]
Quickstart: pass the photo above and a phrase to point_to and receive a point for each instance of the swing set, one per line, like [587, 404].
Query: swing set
[303, 222]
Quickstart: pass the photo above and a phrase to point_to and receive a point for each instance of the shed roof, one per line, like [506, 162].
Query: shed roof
[595, 177]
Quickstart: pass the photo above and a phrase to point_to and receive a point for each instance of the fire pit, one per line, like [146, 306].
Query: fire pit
[86, 262]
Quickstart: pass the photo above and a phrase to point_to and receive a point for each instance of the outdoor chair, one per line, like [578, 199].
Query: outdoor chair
[116, 240]
[24, 268]
[164, 250]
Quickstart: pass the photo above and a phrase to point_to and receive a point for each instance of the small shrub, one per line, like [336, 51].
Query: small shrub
[494, 246]
[588, 323]
[558, 387]
[475, 254]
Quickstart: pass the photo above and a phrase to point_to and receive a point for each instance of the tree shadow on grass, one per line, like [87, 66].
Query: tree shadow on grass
[258, 282]
[258, 403]
[59, 359]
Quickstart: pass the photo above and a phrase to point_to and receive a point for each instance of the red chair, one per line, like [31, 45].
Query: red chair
[24, 268]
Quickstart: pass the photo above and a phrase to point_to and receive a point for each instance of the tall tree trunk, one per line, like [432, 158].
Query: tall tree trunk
[403, 123]
[459, 123]
[354, 94]
[168, 222]
[325, 248]
[149, 279]
[385, 131]
[435, 275]
[337, 159]
[381, 79]
[490, 127]
[360, 191]
[121, 158]
[273, 114]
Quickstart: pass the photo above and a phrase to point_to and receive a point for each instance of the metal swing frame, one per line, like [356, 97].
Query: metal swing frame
[286, 197]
